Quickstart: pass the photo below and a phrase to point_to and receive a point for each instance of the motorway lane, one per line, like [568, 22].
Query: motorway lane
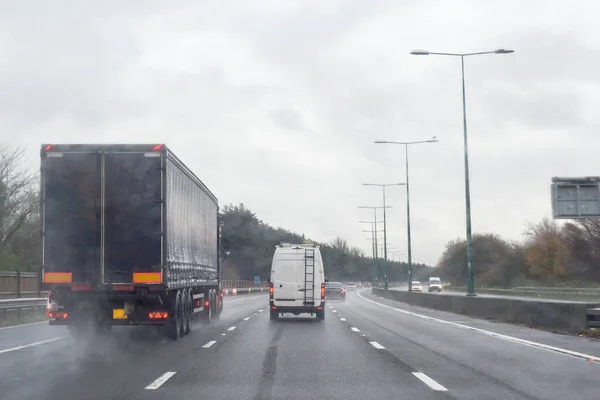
[293, 358]
[125, 362]
[473, 365]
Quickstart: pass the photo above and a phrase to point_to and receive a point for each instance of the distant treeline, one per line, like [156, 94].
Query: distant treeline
[551, 254]
[252, 243]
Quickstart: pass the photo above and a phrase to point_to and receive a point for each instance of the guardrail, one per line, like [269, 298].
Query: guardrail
[21, 307]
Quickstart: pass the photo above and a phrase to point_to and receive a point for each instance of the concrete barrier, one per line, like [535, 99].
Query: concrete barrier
[545, 314]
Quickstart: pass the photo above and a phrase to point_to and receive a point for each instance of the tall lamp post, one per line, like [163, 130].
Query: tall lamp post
[385, 257]
[374, 243]
[470, 277]
[406, 144]
[375, 229]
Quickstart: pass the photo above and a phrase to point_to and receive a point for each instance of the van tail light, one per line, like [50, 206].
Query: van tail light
[271, 290]
[322, 291]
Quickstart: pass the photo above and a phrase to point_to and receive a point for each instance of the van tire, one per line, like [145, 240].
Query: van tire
[321, 315]
[273, 315]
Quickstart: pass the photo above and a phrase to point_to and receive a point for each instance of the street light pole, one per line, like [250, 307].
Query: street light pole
[375, 226]
[373, 238]
[386, 265]
[470, 268]
[406, 144]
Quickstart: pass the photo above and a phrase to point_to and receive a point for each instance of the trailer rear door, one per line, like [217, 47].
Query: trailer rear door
[133, 204]
[71, 217]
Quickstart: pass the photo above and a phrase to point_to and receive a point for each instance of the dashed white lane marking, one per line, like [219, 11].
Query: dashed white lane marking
[231, 328]
[246, 319]
[261, 310]
[223, 334]
[207, 345]
[161, 379]
[538, 345]
[377, 345]
[30, 345]
[355, 329]
[334, 311]
[342, 319]
[430, 382]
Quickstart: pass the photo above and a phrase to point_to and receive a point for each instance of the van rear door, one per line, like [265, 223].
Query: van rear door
[286, 263]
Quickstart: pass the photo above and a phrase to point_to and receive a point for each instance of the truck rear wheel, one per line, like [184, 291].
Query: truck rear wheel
[207, 313]
[174, 329]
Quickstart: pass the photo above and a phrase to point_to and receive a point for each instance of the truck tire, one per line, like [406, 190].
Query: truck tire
[174, 327]
[217, 306]
[207, 314]
[187, 325]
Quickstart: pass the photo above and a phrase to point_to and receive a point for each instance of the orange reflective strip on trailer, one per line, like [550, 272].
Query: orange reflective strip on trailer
[147, 277]
[58, 277]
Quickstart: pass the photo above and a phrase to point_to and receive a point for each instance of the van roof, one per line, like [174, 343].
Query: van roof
[297, 246]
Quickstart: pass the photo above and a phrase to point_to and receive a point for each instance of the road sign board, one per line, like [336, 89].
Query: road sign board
[575, 198]
[257, 280]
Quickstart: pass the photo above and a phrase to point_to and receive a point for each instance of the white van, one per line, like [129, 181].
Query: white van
[297, 283]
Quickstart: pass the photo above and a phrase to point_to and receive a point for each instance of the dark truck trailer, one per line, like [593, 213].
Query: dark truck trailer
[130, 237]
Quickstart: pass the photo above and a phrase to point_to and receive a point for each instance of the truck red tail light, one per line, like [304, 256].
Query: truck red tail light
[342, 291]
[58, 314]
[158, 315]
[206, 303]
[271, 290]
[322, 291]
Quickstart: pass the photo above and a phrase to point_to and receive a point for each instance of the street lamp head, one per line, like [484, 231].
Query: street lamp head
[419, 53]
[503, 51]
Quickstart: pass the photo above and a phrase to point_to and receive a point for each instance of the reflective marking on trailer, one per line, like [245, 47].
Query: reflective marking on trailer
[159, 382]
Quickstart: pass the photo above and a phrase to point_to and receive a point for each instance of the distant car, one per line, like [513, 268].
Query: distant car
[351, 286]
[335, 291]
[416, 286]
[366, 285]
[435, 284]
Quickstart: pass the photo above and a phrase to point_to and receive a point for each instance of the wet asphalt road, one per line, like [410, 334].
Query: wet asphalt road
[367, 348]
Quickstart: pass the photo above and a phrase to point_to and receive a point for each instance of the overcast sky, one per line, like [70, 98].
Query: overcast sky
[277, 103]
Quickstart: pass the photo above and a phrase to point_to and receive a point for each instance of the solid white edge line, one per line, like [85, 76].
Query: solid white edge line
[493, 334]
[377, 345]
[430, 382]
[355, 329]
[23, 325]
[207, 345]
[231, 329]
[159, 382]
[30, 345]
